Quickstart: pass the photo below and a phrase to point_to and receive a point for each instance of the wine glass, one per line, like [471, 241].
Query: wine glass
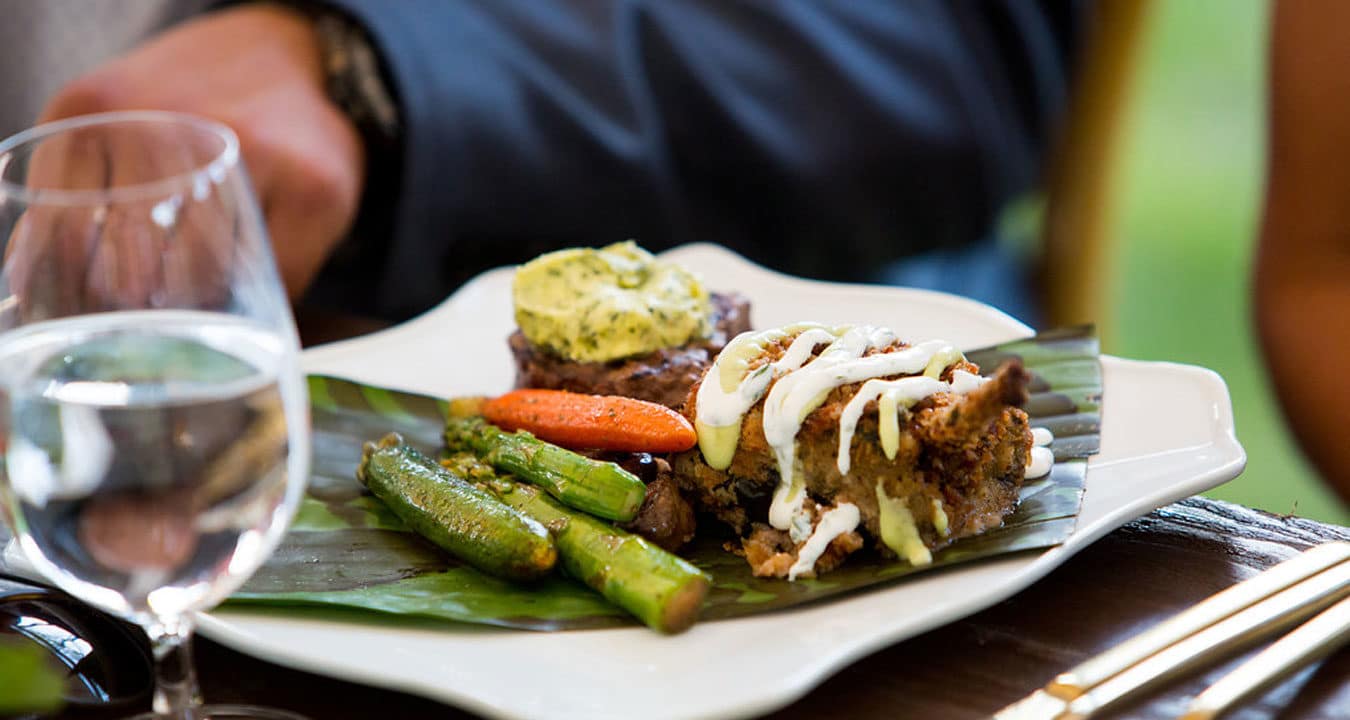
[154, 419]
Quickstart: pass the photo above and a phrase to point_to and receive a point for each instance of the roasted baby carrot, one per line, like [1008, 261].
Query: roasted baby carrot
[602, 422]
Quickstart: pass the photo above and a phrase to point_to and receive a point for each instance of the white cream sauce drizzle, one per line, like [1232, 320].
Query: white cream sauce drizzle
[1042, 457]
[731, 389]
[892, 396]
[965, 382]
[835, 522]
[718, 406]
[796, 394]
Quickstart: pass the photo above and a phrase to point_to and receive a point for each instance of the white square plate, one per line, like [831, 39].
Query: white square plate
[1167, 433]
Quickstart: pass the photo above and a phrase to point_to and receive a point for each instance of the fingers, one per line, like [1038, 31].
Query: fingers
[47, 257]
[171, 248]
[198, 261]
[56, 242]
[153, 229]
[256, 68]
[123, 269]
[50, 244]
[310, 188]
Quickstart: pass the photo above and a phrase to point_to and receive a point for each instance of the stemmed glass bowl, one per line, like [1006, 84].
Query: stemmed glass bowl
[154, 418]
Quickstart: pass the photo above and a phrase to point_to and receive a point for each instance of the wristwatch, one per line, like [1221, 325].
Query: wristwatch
[352, 76]
[355, 81]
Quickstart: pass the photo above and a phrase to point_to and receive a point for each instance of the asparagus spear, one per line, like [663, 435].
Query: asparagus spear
[599, 488]
[470, 523]
[657, 587]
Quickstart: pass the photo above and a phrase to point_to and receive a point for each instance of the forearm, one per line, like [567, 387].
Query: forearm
[1306, 339]
[1302, 278]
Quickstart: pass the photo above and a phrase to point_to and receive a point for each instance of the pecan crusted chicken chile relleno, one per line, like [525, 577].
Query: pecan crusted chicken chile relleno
[931, 452]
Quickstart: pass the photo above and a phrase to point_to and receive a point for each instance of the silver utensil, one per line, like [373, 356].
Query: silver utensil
[1243, 614]
[1312, 641]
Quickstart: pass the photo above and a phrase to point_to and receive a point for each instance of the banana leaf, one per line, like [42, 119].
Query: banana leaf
[345, 549]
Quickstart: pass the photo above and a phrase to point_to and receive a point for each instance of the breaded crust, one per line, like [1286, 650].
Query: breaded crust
[960, 456]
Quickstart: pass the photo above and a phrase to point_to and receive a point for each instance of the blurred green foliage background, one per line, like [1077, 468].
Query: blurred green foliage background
[1186, 222]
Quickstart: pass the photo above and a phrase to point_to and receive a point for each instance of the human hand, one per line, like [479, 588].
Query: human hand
[258, 69]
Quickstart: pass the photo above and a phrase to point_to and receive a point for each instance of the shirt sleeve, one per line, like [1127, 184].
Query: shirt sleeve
[818, 137]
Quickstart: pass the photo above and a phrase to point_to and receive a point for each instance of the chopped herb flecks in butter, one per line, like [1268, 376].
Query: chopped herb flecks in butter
[595, 305]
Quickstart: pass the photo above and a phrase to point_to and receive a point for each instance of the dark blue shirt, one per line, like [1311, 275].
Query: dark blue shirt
[823, 138]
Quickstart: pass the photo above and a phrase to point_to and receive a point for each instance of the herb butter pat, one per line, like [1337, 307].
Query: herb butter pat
[595, 305]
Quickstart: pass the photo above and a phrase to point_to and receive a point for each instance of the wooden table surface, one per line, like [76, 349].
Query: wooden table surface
[1128, 580]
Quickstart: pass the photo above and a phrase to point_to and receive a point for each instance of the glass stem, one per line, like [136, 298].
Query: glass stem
[176, 694]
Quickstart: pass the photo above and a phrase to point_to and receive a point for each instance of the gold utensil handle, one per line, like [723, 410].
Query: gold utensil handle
[1312, 641]
[1276, 613]
[1099, 669]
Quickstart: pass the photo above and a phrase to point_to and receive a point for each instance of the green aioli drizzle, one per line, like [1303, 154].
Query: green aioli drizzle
[718, 443]
[732, 369]
[940, 518]
[898, 530]
[941, 360]
[733, 363]
[888, 424]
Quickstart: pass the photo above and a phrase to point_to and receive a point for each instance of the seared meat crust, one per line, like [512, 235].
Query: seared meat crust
[967, 452]
[664, 376]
